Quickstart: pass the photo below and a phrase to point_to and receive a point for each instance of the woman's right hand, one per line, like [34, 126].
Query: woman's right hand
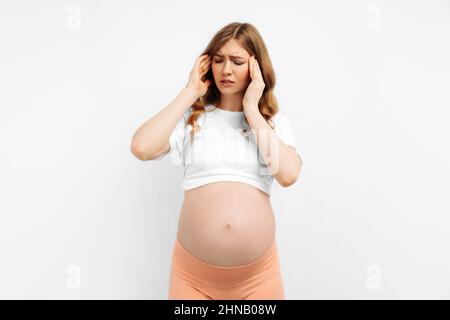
[201, 67]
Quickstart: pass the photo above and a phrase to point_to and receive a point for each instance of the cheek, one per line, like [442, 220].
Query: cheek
[216, 71]
[243, 74]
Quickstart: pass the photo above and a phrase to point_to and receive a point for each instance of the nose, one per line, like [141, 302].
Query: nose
[226, 68]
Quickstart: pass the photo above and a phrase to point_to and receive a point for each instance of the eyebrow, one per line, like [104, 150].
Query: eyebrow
[231, 55]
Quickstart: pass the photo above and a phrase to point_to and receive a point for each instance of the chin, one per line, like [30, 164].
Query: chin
[229, 90]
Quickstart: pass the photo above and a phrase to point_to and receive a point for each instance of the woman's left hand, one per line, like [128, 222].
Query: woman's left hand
[256, 87]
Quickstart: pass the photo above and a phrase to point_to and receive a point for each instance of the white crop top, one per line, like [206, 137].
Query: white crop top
[221, 151]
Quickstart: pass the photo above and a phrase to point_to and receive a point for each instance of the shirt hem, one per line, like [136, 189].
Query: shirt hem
[198, 182]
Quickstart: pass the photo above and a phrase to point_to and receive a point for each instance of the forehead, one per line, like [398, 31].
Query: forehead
[232, 54]
[232, 49]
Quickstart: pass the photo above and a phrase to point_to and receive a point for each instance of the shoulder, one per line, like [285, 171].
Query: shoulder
[208, 107]
[188, 112]
[186, 116]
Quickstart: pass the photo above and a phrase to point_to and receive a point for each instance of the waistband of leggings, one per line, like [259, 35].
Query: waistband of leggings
[222, 275]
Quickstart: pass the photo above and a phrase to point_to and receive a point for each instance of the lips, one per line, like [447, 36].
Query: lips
[226, 81]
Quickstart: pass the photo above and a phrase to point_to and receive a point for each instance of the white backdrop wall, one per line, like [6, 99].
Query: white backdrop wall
[364, 83]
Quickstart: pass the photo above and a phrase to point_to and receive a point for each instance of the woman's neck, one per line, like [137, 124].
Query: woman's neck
[231, 102]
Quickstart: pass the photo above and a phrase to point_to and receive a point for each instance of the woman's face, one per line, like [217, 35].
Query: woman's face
[231, 62]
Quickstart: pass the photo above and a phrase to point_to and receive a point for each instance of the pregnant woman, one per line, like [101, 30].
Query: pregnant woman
[226, 129]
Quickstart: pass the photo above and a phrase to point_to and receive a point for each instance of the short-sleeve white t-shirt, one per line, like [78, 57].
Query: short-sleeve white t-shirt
[223, 149]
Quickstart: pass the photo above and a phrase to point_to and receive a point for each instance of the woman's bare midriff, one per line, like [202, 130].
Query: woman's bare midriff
[226, 223]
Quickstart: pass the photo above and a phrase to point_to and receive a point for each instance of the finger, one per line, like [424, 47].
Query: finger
[205, 62]
[205, 65]
[257, 67]
[200, 59]
[204, 57]
[203, 71]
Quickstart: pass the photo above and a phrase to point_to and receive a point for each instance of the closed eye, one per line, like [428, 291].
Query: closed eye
[219, 61]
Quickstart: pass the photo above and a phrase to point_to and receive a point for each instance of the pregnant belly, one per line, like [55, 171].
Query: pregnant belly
[226, 223]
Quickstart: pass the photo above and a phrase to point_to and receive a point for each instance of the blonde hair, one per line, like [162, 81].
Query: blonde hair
[250, 39]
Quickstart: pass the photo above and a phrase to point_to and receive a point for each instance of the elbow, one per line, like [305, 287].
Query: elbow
[136, 150]
[291, 179]
[142, 153]
[287, 182]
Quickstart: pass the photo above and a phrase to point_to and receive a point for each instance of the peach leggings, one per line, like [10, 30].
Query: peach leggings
[194, 279]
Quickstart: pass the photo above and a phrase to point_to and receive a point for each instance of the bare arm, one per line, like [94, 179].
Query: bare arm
[282, 160]
[151, 137]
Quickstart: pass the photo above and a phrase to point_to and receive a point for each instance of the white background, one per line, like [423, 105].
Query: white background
[365, 85]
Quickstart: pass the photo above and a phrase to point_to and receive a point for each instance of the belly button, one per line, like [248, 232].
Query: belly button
[228, 226]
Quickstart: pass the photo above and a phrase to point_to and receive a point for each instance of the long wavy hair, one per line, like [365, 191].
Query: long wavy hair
[250, 39]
